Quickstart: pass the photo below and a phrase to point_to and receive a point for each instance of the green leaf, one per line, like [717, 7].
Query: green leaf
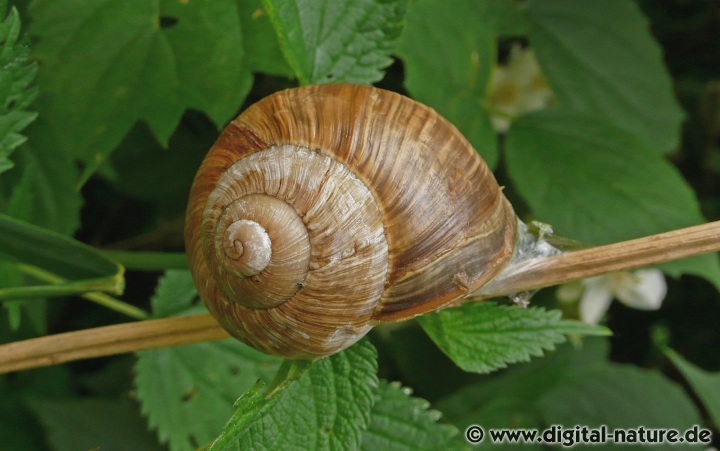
[600, 58]
[705, 385]
[399, 421]
[484, 337]
[330, 42]
[328, 407]
[599, 184]
[175, 293]
[104, 422]
[149, 261]
[417, 361]
[140, 162]
[151, 60]
[19, 429]
[41, 191]
[45, 193]
[16, 94]
[572, 386]
[55, 252]
[254, 405]
[449, 49]
[523, 386]
[262, 50]
[603, 394]
[187, 392]
[509, 19]
[87, 269]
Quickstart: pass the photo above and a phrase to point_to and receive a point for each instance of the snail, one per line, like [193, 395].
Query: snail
[322, 211]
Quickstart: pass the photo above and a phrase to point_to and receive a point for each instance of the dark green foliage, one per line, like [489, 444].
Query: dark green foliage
[107, 108]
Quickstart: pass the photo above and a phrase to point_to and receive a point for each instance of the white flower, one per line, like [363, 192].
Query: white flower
[643, 290]
[517, 87]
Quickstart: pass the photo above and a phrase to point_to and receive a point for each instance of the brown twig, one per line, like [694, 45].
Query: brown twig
[595, 261]
[530, 275]
[109, 340]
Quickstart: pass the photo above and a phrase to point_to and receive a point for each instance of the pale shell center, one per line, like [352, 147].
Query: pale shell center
[249, 245]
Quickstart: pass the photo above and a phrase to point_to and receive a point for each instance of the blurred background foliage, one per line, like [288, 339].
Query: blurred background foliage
[124, 207]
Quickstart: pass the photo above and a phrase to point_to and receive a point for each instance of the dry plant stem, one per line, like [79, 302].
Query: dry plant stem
[623, 256]
[531, 275]
[109, 340]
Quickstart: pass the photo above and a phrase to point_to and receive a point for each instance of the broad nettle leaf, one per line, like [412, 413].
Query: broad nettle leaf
[522, 386]
[262, 49]
[706, 385]
[104, 422]
[327, 41]
[187, 392]
[449, 49]
[45, 193]
[19, 429]
[600, 58]
[598, 183]
[572, 386]
[42, 191]
[79, 268]
[16, 90]
[619, 396]
[106, 65]
[328, 407]
[482, 337]
[174, 293]
[145, 170]
[399, 421]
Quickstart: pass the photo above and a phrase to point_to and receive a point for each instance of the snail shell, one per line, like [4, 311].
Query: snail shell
[322, 211]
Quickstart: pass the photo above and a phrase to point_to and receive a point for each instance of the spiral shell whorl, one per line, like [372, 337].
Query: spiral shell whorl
[390, 214]
[274, 241]
[322, 225]
[246, 244]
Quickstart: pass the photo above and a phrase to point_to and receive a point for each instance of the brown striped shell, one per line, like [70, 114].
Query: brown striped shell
[323, 210]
